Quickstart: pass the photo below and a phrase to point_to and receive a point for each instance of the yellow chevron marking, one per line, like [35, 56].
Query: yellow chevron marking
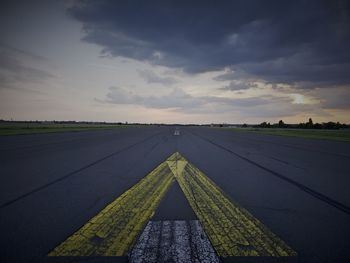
[232, 230]
[113, 231]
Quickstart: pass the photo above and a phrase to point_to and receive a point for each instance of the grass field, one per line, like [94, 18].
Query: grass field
[32, 128]
[337, 135]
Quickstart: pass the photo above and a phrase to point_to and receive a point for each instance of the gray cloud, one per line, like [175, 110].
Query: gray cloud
[336, 99]
[16, 73]
[176, 99]
[280, 109]
[337, 103]
[234, 85]
[181, 101]
[280, 42]
[151, 77]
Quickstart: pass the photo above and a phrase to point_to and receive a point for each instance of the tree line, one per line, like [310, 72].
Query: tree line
[303, 125]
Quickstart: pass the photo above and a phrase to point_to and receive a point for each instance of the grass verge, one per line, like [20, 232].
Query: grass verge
[336, 135]
[35, 128]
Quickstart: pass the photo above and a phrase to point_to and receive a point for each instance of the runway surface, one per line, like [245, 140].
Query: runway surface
[53, 184]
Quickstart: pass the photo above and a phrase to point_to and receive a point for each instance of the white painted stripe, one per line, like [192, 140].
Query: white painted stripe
[166, 244]
[173, 241]
[147, 245]
[201, 247]
[182, 242]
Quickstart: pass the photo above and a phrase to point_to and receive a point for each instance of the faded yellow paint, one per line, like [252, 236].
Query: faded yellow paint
[232, 230]
[113, 231]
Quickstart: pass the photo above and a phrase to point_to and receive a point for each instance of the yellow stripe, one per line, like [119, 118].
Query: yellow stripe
[113, 231]
[232, 230]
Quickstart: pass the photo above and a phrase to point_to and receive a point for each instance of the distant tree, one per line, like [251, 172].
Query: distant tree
[338, 125]
[304, 125]
[344, 126]
[318, 126]
[263, 124]
[281, 124]
[244, 125]
[328, 125]
[309, 124]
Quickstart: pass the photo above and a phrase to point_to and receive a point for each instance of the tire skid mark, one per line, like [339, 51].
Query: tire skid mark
[332, 202]
[44, 186]
[297, 147]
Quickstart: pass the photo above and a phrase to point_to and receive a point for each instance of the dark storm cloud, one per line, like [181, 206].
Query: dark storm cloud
[276, 41]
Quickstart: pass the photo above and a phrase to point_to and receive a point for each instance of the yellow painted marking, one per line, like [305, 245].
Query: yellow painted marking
[232, 230]
[113, 231]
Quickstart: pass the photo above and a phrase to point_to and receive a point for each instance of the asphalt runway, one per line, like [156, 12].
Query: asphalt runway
[52, 184]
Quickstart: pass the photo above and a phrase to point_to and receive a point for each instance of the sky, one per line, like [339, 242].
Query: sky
[237, 61]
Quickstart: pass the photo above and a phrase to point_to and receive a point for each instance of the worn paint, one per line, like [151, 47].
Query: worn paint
[232, 230]
[113, 231]
[173, 241]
